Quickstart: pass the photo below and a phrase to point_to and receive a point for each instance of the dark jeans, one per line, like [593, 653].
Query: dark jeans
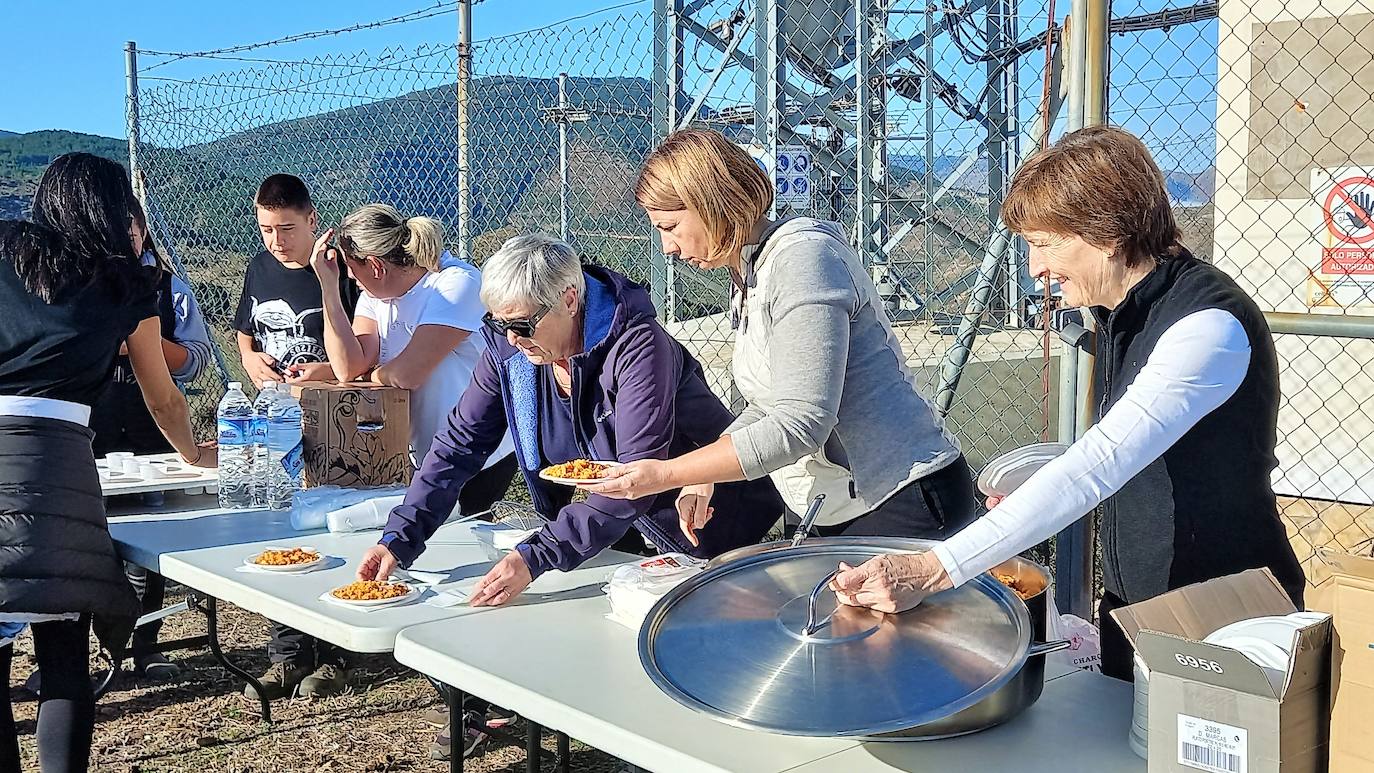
[288, 644]
[151, 588]
[934, 507]
[66, 704]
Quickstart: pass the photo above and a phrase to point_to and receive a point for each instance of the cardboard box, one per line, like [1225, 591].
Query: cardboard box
[1345, 589]
[354, 434]
[1211, 707]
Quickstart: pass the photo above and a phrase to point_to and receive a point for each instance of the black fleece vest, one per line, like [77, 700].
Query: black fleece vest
[1204, 509]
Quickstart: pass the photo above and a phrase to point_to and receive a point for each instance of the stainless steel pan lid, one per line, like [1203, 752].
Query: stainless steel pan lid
[732, 642]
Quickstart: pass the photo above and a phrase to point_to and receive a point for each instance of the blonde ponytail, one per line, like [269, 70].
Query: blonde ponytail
[425, 245]
[381, 231]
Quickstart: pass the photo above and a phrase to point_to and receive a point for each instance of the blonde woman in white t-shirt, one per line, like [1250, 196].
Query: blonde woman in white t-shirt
[414, 326]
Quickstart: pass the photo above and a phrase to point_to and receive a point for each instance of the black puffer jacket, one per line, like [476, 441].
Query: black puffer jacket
[56, 555]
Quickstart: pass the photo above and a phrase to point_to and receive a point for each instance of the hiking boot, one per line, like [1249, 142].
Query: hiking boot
[278, 681]
[442, 746]
[157, 667]
[328, 680]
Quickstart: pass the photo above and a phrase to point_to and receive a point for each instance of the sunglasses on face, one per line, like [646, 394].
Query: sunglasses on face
[523, 328]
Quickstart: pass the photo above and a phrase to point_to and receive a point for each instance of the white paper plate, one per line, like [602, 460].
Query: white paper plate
[1007, 472]
[285, 568]
[411, 592]
[574, 481]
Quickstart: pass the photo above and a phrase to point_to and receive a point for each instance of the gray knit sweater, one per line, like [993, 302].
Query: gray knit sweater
[823, 373]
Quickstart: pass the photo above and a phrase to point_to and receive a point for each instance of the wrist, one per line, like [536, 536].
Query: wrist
[200, 452]
[932, 570]
[671, 474]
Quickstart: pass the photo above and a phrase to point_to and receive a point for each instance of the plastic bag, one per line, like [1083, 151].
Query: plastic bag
[633, 589]
[1085, 641]
[310, 507]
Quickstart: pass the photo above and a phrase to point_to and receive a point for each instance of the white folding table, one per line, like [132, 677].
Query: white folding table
[566, 667]
[205, 548]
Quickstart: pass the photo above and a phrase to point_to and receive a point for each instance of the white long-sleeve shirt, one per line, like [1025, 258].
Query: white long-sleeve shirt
[1198, 363]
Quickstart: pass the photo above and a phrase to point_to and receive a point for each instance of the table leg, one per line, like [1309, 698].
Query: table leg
[212, 630]
[563, 762]
[457, 728]
[532, 749]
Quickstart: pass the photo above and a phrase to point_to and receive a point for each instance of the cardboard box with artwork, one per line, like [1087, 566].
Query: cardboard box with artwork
[354, 434]
[1215, 708]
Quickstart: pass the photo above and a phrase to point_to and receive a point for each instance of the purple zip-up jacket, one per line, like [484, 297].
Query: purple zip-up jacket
[636, 394]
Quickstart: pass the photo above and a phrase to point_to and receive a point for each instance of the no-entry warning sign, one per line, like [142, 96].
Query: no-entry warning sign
[1344, 278]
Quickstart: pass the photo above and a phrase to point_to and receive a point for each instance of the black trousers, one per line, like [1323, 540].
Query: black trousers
[1116, 648]
[66, 705]
[934, 507]
[288, 644]
[151, 588]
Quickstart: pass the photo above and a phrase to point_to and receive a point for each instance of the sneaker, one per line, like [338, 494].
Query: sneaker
[442, 747]
[278, 681]
[496, 717]
[157, 667]
[499, 717]
[436, 717]
[326, 681]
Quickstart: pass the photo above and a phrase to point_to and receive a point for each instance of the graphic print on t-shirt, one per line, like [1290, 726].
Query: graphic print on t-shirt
[280, 331]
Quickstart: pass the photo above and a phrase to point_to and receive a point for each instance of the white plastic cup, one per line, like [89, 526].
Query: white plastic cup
[150, 471]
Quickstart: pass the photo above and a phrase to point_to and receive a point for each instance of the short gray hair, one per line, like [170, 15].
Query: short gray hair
[531, 269]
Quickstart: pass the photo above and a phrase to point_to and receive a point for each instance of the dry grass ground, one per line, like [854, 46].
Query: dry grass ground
[201, 722]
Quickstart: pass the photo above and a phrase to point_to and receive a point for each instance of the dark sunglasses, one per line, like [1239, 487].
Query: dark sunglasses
[523, 328]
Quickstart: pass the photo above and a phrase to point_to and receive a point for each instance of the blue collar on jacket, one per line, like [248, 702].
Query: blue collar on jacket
[522, 376]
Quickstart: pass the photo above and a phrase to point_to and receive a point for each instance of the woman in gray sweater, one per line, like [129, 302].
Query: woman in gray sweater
[832, 406]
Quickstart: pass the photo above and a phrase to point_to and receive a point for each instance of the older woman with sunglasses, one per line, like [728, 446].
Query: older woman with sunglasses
[577, 366]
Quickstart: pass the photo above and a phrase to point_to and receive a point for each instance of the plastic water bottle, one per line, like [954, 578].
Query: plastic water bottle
[235, 420]
[284, 449]
[260, 475]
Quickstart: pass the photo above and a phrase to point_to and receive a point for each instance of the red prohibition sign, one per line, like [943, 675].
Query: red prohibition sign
[1339, 191]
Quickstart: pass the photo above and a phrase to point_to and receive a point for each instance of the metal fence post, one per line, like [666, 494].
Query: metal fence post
[1075, 552]
[563, 156]
[131, 113]
[464, 170]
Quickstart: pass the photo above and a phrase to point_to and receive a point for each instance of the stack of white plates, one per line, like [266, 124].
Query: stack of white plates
[1140, 716]
[1266, 641]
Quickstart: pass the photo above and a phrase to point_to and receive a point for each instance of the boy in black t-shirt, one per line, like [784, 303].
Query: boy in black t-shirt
[280, 324]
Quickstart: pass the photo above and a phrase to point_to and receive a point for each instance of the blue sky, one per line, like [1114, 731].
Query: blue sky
[65, 68]
[62, 64]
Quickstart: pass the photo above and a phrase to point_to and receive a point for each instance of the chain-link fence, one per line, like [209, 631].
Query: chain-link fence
[1261, 110]
[559, 120]
[911, 117]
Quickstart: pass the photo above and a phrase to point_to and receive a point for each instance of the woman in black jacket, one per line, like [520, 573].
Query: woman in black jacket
[1187, 386]
[71, 290]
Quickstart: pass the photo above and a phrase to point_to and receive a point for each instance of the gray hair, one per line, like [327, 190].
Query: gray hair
[383, 232]
[531, 269]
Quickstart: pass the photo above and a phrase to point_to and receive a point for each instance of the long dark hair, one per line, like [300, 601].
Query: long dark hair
[149, 245]
[80, 231]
